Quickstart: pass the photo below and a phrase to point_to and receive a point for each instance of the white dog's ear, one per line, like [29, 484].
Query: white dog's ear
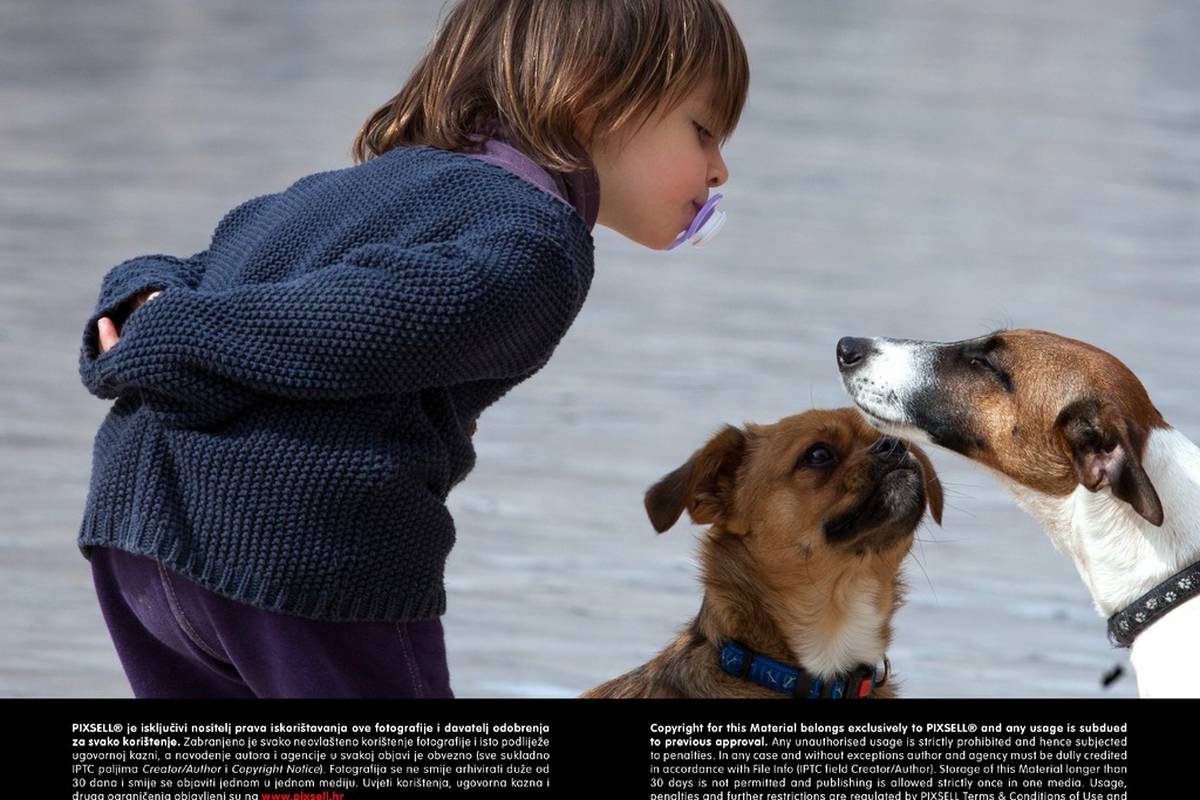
[1105, 447]
[704, 485]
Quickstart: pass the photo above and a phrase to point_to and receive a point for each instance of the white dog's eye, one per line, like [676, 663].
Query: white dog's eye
[982, 362]
[987, 365]
[819, 455]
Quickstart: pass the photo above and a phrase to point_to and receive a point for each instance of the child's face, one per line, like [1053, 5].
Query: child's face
[654, 181]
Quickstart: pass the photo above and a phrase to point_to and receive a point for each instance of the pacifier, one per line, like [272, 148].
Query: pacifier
[704, 225]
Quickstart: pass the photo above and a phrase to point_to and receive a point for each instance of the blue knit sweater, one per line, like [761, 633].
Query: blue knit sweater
[293, 409]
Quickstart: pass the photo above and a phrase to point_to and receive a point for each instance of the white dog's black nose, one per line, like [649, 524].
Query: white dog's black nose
[851, 351]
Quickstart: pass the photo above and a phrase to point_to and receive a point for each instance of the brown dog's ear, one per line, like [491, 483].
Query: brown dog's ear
[704, 485]
[666, 499]
[1105, 445]
[933, 484]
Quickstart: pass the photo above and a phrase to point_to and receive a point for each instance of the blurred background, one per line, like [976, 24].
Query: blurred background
[929, 169]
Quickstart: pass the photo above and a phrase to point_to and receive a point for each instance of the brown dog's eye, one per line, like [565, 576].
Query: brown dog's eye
[819, 455]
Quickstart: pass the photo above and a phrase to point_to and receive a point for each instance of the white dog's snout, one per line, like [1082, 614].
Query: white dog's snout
[885, 378]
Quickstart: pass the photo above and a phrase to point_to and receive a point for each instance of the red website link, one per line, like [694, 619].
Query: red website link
[325, 795]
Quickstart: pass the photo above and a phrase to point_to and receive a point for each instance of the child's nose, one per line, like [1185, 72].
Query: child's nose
[718, 173]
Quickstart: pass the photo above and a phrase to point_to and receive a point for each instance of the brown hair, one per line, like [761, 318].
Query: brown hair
[536, 67]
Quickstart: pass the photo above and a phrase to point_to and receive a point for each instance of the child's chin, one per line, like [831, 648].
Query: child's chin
[652, 243]
[662, 243]
[655, 240]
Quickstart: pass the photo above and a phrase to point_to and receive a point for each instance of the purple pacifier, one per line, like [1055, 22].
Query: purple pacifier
[704, 225]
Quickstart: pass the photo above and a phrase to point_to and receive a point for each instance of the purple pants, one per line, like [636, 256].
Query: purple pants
[177, 639]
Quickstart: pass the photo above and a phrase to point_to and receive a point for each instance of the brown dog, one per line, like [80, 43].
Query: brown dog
[810, 519]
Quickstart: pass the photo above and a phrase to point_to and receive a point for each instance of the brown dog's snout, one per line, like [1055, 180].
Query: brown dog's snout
[889, 450]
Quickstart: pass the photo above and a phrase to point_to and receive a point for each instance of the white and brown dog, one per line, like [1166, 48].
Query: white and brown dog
[1071, 432]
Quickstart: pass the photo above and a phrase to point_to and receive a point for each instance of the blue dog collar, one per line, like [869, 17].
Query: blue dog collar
[741, 662]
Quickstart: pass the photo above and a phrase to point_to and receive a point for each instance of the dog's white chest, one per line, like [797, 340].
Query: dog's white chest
[856, 639]
[1164, 654]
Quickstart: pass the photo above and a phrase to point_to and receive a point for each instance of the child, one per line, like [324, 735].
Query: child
[267, 515]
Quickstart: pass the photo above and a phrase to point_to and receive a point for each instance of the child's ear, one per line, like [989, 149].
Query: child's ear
[704, 485]
[585, 126]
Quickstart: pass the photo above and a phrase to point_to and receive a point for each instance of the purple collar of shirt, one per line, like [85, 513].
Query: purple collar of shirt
[581, 190]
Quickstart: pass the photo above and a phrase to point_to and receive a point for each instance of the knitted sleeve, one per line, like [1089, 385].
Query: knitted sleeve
[131, 278]
[384, 318]
[134, 277]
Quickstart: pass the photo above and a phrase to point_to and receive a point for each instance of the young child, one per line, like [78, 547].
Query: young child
[267, 511]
